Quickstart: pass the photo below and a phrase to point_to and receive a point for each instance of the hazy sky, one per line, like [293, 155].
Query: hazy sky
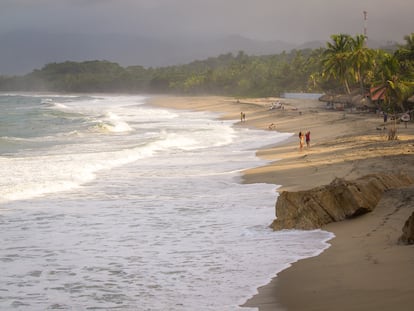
[296, 21]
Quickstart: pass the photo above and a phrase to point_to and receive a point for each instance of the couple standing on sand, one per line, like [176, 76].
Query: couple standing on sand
[302, 138]
[242, 116]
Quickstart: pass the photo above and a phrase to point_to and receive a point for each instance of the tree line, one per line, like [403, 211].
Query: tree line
[349, 64]
[227, 74]
[344, 65]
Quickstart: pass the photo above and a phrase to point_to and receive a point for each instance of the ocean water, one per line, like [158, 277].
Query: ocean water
[107, 203]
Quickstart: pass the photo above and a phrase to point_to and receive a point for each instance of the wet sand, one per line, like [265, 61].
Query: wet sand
[365, 268]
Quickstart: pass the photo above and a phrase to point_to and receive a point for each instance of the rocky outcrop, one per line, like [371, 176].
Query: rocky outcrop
[408, 231]
[337, 201]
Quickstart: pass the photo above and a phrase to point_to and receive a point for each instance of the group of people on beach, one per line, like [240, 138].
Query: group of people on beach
[302, 138]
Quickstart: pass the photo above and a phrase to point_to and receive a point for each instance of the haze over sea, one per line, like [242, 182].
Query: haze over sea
[109, 203]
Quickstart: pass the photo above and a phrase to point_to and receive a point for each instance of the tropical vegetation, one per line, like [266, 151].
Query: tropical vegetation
[346, 65]
[349, 62]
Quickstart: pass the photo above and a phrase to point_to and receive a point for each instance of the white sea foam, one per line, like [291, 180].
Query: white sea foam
[29, 177]
[149, 218]
[112, 123]
[60, 106]
[46, 101]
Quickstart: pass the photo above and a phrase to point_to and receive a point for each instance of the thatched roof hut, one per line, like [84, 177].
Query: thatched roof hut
[336, 102]
[355, 99]
[326, 98]
[362, 102]
[343, 99]
[339, 98]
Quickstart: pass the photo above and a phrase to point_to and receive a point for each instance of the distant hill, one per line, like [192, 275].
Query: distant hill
[311, 45]
[22, 52]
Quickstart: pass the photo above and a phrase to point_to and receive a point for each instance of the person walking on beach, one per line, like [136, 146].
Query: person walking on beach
[307, 138]
[301, 140]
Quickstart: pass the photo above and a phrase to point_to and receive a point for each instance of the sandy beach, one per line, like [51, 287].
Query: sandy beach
[365, 268]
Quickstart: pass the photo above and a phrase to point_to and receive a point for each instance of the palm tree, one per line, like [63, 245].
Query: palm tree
[407, 51]
[405, 55]
[361, 59]
[392, 84]
[336, 59]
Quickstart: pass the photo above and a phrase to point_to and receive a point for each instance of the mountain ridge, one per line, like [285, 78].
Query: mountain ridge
[22, 52]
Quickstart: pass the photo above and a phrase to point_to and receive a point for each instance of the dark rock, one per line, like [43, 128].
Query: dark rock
[408, 231]
[311, 209]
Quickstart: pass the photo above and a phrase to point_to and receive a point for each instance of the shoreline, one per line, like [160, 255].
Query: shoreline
[364, 261]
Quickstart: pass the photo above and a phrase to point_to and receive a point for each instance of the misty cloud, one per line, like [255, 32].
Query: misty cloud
[293, 20]
[34, 32]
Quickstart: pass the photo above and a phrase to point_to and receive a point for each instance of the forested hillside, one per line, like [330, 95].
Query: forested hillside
[226, 74]
[345, 64]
